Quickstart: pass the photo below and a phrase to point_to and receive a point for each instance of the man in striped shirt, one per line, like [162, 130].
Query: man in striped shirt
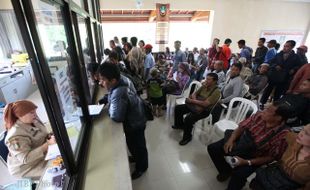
[268, 134]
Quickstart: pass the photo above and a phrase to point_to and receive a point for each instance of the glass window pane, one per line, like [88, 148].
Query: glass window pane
[54, 43]
[80, 3]
[85, 48]
[90, 7]
[94, 39]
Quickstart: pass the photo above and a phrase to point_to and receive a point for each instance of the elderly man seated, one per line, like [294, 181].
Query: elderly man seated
[259, 139]
[198, 106]
[258, 81]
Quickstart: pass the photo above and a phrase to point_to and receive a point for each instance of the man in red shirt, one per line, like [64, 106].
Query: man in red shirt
[226, 53]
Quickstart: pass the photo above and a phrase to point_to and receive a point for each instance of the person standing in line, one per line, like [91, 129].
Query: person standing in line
[260, 54]
[179, 56]
[272, 52]
[149, 61]
[126, 106]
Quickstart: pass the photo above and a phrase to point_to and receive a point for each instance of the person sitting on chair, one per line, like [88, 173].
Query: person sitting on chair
[232, 89]
[198, 106]
[259, 139]
[258, 81]
[27, 140]
[292, 172]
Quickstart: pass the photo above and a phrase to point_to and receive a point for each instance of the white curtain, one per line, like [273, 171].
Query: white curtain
[10, 35]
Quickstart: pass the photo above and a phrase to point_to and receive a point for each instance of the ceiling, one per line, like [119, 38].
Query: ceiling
[150, 15]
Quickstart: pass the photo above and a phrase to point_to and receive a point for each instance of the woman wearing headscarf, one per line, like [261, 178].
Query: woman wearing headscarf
[27, 140]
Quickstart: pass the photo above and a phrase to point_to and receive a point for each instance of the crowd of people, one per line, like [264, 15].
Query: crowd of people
[281, 77]
[131, 68]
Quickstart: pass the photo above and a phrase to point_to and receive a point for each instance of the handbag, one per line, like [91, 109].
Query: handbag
[277, 76]
[171, 86]
[196, 108]
[245, 146]
[273, 177]
[148, 107]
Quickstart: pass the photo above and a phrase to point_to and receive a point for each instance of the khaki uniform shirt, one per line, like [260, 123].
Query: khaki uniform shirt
[26, 157]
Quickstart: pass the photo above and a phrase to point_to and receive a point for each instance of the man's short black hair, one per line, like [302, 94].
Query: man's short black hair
[106, 51]
[112, 41]
[238, 65]
[214, 76]
[93, 67]
[227, 41]
[262, 39]
[114, 55]
[292, 42]
[124, 39]
[133, 41]
[241, 42]
[109, 71]
[284, 109]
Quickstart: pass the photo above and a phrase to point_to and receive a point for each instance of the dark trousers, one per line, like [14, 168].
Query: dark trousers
[238, 174]
[188, 122]
[216, 113]
[135, 140]
[280, 89]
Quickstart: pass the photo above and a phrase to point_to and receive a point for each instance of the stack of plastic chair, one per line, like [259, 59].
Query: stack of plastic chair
[233, 117]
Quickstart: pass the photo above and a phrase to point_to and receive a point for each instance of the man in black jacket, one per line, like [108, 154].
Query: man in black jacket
[283, 67]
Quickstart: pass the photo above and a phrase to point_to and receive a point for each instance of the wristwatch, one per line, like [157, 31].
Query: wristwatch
[249, 162]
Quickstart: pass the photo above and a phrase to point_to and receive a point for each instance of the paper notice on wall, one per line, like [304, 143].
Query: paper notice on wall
[283, 35]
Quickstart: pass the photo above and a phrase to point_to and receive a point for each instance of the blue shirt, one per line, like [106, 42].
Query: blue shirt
[245, 52]
[149, 61]
[179, 57]
[271, 53]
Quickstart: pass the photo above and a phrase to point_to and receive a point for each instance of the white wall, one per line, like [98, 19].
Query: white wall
[5, 4]
[237, 19]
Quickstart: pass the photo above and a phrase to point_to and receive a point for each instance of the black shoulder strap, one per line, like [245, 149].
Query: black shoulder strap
[212, 91]
[264, 141]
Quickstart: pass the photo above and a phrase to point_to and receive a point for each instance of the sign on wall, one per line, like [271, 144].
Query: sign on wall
[162, 23]
[283, 35]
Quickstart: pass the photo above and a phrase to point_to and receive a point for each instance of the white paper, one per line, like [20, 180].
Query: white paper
[52, 152]
[95, 109]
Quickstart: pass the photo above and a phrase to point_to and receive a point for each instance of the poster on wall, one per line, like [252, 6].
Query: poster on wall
[162, 23]
[283, 35]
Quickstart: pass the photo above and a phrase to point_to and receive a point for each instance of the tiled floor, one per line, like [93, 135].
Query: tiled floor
[175, 167]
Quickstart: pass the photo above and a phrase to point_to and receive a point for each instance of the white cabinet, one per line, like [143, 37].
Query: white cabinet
[16, 86]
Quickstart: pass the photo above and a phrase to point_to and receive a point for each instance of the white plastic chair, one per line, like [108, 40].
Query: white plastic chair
[202, 126]
[181, 100]
[171, 98]
[245, 90]
[232, 119]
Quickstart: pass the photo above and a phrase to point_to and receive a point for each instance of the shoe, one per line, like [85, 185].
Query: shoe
[222, 177]
[176, 127]
[185, 141]
[131, 159]
[136, 174]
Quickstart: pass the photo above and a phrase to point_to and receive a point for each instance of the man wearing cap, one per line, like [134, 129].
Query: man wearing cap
[149, 61]
[301, 52]
[272, 52]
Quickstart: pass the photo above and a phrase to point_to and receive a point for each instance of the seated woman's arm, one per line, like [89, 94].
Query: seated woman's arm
[20, 148]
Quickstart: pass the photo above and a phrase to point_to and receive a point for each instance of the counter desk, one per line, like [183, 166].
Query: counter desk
[107, 165]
